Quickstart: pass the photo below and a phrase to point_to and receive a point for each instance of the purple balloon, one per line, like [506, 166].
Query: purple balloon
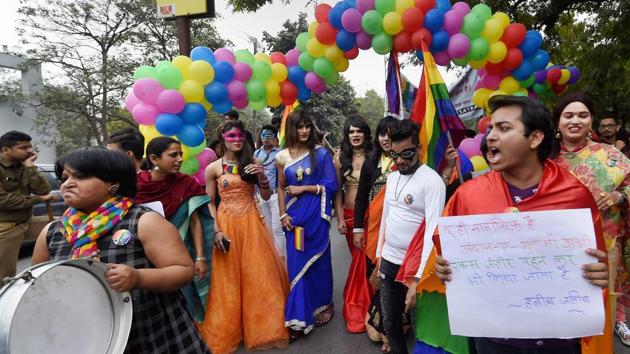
[237, 92]
[242, 72]
[458, 45]
[453, 22]
[225, 55]
[147, 90]
[470, 147]
[145, 113]
[312, 81]
[541, 76]
[442, 58]
[364, 40]
[292, 57]
[351, 20]
[131, 101]
[171, 101]
[575, 75]
[365, 5]
[461, 7]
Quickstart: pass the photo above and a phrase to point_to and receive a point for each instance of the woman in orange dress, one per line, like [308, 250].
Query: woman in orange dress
[249, 284]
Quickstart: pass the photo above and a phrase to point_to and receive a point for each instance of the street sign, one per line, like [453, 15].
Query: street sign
[185, 8]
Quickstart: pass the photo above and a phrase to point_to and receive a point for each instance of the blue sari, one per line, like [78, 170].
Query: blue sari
[310, 269]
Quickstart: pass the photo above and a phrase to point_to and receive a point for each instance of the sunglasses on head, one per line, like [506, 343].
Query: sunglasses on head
[407, 154]
[266, 135]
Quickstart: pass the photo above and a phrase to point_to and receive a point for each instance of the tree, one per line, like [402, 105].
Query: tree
[371, 107]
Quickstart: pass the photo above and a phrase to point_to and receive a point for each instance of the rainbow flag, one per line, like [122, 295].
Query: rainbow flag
[282, 134]
[435, 112]
[298, 240]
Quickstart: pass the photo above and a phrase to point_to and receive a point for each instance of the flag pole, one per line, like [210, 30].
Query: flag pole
[457, 164]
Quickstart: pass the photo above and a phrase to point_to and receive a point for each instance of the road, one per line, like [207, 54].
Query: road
[334, 338]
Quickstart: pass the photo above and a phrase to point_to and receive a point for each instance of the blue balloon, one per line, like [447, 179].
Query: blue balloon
[536, 35]
[345, 40]
[216, 92]
[530, 46]
[440, 41]
[334, 16]
[202, 53]
[467, 165]
[222, 107]
[169, 124]
[223, 71]
[304, 94]
[191, 135]
[296, 75]
[433, 20]
[443, 5]
[540, 60]
[193, 113]
[349, 4]
[524, 71]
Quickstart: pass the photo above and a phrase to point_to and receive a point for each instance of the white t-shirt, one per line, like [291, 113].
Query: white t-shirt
[409, 199]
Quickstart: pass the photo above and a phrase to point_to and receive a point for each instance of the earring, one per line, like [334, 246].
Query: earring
[558, 136]
[156, 167]
[589, 135]
[113, 189]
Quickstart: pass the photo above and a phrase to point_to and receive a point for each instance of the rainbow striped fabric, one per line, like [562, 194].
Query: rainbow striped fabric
[299, 238]
[282, 134]
[435, 112]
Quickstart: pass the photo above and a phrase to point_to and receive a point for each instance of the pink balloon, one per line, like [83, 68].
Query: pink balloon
[351, 20]
[461, 7]
[453, 22]
[491, 81]
[364, 40]
[199, 176]
[147, 90]
[242, 72]
[458, 45]
[171, 101]
[442, 58]
[320, 89]
[365, 5]
[145, 113]
[470, 147]
[312, 81]
[206, 156]
[292, 57]
[236, 91]
[225, 55]
[240, 104]
[478, 138]
[479, 85]
[131, 101]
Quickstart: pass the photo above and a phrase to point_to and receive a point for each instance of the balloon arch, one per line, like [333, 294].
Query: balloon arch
[173, 97]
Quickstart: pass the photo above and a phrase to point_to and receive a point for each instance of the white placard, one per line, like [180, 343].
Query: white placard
[518, 275]
[155, 206]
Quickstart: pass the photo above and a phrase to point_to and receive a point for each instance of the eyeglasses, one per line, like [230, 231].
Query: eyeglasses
[608, 126]
[407, 154]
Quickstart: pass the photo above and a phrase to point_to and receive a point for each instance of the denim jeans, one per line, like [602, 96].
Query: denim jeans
[393, 296]
[487, 346]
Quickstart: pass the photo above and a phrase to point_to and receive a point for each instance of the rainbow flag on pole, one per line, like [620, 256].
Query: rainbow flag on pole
[299, 238]
[283, 125]
[435, 112]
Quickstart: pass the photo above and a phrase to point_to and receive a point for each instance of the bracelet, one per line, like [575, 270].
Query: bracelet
[201, 259]
[318, 190]
[357, 230]
[620, 196]
[283, 216]
[446, 177]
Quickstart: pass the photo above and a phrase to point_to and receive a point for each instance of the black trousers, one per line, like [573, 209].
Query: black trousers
[393, 296]
[486, 346]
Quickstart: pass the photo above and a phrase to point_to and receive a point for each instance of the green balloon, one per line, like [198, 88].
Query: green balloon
[258, 105]
[540, 89]
[145, 71]
[372, 22]
[244, 56]
[382, 43]
[306, 61]
[255, 90]
[323, 67]
[479, 48]
[332, 79]
[473, 25]
[261, 71]
[190, 166]
[484, 11]
[196, 150]
[169, 77]
[529, 82]
[301, 41]
[461, 61]
[519, 93]
[385, 6]
[163, 64]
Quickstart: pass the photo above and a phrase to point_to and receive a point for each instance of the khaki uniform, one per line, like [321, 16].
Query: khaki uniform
[17, 186]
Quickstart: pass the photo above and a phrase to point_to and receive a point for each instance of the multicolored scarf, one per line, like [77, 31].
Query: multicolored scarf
[82, 230]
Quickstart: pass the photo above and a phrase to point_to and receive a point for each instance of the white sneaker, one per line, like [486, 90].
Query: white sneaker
[622, 330]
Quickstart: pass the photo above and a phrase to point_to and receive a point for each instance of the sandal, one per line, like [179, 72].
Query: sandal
[385, 348]
[294, 335]
[321, 320]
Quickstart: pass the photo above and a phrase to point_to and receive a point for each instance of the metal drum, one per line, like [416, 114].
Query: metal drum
[63, 307]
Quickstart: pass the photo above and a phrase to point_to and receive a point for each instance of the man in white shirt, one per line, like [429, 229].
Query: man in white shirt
[414, 193]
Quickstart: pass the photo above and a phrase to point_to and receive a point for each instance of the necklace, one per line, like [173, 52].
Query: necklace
[357, 153]
[570, 154]
[299, 173]
[229, 167]
[398, 193]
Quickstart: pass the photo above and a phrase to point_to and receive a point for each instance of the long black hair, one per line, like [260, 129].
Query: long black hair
[156, 147]
[245, 156]
[581, 97]
[346, 148]
[385, 126]
[294, 120]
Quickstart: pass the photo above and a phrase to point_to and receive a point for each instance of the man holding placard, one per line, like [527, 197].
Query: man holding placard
[522, 180]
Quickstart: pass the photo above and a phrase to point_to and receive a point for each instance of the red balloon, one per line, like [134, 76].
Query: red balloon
[402, 42]
[321, 12]
[412, 19]
[513, 59]
[326, 33]
[352, 53]
[425, 5]
[483, 124]
[558, 89]
[514, 35]
[420, 35]
[554, 75]
[288, 102]
[277, 57]
[288, 91]
[494, 69]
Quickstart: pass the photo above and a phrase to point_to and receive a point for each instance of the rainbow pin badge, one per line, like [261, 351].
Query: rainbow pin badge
[121, 237]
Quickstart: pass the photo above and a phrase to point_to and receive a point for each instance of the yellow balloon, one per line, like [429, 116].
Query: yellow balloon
[278, 72]
[149, 132]
[182, 63]
[312, 28]
[185, 152]
[498, 51]
[207, 105]
[402, 5]
[274, 101]
[315, 48]
[510, 85]
[564, 77]
[497, 93]
[478, 64]
[333, 53]
[493, 30]
[192, 91]
[273, 88]
[201, 71]
[392, 23]
[480, 97]
[502, 17]
[263, 57]
[479, 163]
[341, 65]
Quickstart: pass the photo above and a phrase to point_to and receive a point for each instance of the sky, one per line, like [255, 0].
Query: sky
[365, 72]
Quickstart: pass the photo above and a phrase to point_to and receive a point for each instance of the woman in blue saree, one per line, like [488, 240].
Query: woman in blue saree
[310, 183]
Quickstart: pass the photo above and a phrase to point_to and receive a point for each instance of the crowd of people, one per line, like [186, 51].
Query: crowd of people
[247, 258]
